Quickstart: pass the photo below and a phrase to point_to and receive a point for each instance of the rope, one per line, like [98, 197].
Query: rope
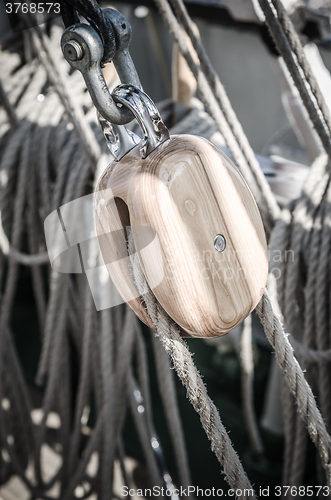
[226, 107]
[170, 405]
[76, 116]
[62, 170]
[264, 197]
[310, 355]
[20, 257]
[296, 381]
[305, 231]
[93, 13]
[311, 104]
[305, 303]
[8, 107]
[168, 335]
[289, 415]
[297, 49]
[247, 378]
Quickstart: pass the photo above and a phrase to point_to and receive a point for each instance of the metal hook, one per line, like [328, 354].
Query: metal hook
[154, 130]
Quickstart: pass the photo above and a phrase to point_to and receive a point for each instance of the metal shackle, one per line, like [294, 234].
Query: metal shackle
[83, 49]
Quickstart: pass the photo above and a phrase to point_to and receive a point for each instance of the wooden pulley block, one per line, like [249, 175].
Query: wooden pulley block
[195, 225]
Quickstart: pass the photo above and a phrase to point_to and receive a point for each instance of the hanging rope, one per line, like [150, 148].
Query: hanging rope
[168, 334]
[83, 130]
[304, 302]
[297, 49]
[247, 379]
[43, 167]
[297, 65]
[226, 107]
[296, 381]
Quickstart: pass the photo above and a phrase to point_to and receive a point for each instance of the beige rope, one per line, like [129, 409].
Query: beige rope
[168, 334]
[170, 404]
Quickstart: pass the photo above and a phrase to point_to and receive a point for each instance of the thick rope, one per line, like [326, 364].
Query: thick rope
[10, 110]
[81, 126]
[312, 106]
[168, 334]
[305, 234]
[297, 49]
[170, 404]
[72, 176]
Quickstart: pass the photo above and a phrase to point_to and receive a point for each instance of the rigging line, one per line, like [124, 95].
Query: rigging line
[283, 45]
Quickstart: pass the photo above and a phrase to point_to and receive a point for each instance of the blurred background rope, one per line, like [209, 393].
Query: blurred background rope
[44, 166]
[289, 46]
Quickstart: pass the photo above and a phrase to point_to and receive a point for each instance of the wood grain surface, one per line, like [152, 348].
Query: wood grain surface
[177, 200]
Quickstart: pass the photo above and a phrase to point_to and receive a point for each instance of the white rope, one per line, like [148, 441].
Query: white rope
[223, 101]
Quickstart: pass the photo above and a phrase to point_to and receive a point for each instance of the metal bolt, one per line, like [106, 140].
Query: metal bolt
[219, 243]
[73, 50]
